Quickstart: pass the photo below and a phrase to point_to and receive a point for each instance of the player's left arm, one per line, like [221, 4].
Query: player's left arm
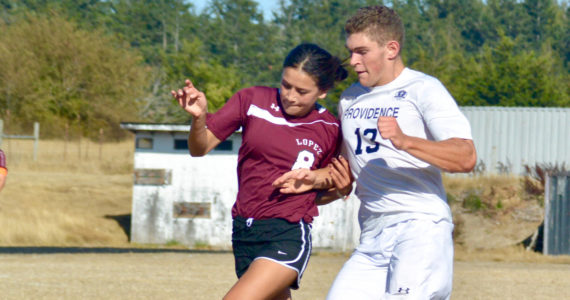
[453, 155]
[3, 169]
[334, 181]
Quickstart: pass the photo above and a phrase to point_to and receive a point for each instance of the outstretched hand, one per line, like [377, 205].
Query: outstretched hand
[191, 99]
[296, 181]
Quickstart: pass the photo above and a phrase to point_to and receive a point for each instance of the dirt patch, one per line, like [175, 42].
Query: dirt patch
[483, 231]
[494, 212]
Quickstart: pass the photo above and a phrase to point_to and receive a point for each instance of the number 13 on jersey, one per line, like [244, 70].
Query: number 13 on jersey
[369, 133]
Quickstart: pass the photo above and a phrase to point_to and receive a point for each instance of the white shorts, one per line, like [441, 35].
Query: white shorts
[411, 260]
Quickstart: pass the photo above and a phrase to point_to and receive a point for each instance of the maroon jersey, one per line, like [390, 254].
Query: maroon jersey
[2, 159]
[274, 143]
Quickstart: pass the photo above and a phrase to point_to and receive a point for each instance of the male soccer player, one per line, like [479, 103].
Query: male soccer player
[400, 128]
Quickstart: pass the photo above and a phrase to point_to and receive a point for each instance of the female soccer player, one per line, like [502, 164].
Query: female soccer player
[283, 129]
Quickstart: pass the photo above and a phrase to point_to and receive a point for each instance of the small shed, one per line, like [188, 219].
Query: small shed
[188, 200]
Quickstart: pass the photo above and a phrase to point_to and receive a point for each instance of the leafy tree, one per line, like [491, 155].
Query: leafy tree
[55, 73]
[236, 33]
[152, 26]
[506, 16]
[320, 21]
[541, 18]
[487, 52]
[158, 29]
[475, 75]
[219, 83]
[532, 23]
[465, 16]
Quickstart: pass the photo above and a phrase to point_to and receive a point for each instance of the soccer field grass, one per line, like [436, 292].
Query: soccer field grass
[208, 275]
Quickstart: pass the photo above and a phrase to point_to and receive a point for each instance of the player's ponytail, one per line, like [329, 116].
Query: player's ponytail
[341, 73]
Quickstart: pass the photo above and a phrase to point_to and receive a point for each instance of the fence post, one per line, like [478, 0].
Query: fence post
[100, 144]
[66, 139]
[36, 139]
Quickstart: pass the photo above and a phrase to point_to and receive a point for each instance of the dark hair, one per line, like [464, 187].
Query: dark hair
[379, 23]
[324, 68]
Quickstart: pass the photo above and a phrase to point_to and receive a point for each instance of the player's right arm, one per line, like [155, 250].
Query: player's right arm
[200, 139]
[451, 155]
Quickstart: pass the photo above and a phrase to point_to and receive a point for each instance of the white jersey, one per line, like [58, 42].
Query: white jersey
[389, 181]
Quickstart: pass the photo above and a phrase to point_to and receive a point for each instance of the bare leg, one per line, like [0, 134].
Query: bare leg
[264, 279]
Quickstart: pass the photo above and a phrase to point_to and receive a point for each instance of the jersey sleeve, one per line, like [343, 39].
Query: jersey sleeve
[229, 118]
[335, 147]
[441, 113]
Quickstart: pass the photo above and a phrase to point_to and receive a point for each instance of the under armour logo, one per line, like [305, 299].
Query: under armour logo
[403, 291]
[274, 107]
[401, 94]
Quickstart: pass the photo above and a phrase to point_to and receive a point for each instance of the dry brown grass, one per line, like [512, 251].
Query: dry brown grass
[80, 156]
[68, 196]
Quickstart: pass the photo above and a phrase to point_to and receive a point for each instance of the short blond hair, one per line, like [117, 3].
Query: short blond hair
[380, 23]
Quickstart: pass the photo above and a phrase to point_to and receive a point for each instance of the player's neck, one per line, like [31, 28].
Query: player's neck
[397, 68]
[391, 72]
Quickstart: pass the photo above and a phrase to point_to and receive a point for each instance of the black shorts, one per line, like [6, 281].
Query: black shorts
[278, 240]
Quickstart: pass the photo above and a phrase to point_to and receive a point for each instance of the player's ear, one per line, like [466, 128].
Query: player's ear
[393, 49]
[322, 95]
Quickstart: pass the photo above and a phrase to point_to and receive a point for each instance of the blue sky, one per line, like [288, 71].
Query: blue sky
[267, 6]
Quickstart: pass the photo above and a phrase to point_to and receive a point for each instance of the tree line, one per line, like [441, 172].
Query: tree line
[91, 64]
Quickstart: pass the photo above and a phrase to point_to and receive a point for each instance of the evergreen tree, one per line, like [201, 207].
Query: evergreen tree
[506, 78]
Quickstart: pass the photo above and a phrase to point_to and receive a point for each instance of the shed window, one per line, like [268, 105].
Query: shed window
[181, 144]
[227, 145]
[144, 143]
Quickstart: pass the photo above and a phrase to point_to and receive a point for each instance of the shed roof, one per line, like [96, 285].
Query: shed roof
[136, 127]
[154, 127]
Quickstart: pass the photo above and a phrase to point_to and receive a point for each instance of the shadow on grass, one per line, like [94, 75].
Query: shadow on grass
[124, 221]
